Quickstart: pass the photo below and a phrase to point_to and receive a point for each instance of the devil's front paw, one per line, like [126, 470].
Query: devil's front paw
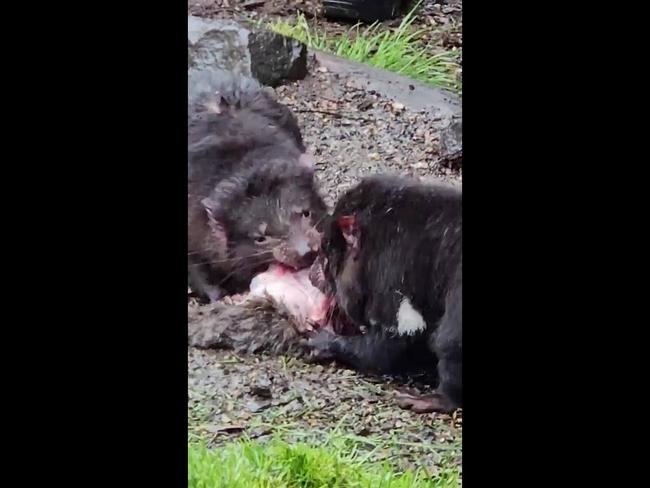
[320, 344]
[435, 402]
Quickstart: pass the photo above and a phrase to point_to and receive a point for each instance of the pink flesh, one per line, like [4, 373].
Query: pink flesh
[292, 292]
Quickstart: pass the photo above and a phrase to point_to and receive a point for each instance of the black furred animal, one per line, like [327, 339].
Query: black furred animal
[252, 197]
[392, 257]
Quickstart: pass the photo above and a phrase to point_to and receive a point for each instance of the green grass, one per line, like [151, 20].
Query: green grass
[396, 50]
[277, 464]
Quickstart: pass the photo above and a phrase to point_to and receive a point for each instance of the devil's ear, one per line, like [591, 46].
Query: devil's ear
[254, 188]
[350, 230]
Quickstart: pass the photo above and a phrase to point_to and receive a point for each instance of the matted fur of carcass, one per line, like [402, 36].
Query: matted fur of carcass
[253, 326]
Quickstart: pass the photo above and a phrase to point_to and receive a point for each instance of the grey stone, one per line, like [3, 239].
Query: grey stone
[275, 58]
[217, 44]
[255, 406]
[451, 138]
[226, 45]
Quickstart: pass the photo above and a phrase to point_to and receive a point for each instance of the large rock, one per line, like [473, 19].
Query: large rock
[451, 145]
[267, 56]
[451, 138]
[217, 44]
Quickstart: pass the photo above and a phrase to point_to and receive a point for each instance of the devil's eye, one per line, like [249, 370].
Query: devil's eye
[260, 239]
[306, 213]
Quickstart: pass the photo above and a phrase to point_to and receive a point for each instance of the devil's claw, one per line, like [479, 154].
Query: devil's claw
[319, 345]
[434, 402]
[320, 340]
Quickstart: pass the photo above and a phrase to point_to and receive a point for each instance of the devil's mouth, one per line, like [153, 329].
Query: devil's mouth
[303, 296]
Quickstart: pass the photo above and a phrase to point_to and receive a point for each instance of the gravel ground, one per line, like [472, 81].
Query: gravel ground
[352, 133]
[261, 396]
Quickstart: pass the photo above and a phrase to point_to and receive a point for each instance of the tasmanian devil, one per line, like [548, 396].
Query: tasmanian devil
[391, 255]
[252, 198]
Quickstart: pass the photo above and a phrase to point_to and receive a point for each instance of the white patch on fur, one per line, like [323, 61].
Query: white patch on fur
[409, 320]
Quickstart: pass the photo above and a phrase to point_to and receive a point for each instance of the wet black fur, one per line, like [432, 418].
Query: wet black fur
[238, 155]
[410, 247]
